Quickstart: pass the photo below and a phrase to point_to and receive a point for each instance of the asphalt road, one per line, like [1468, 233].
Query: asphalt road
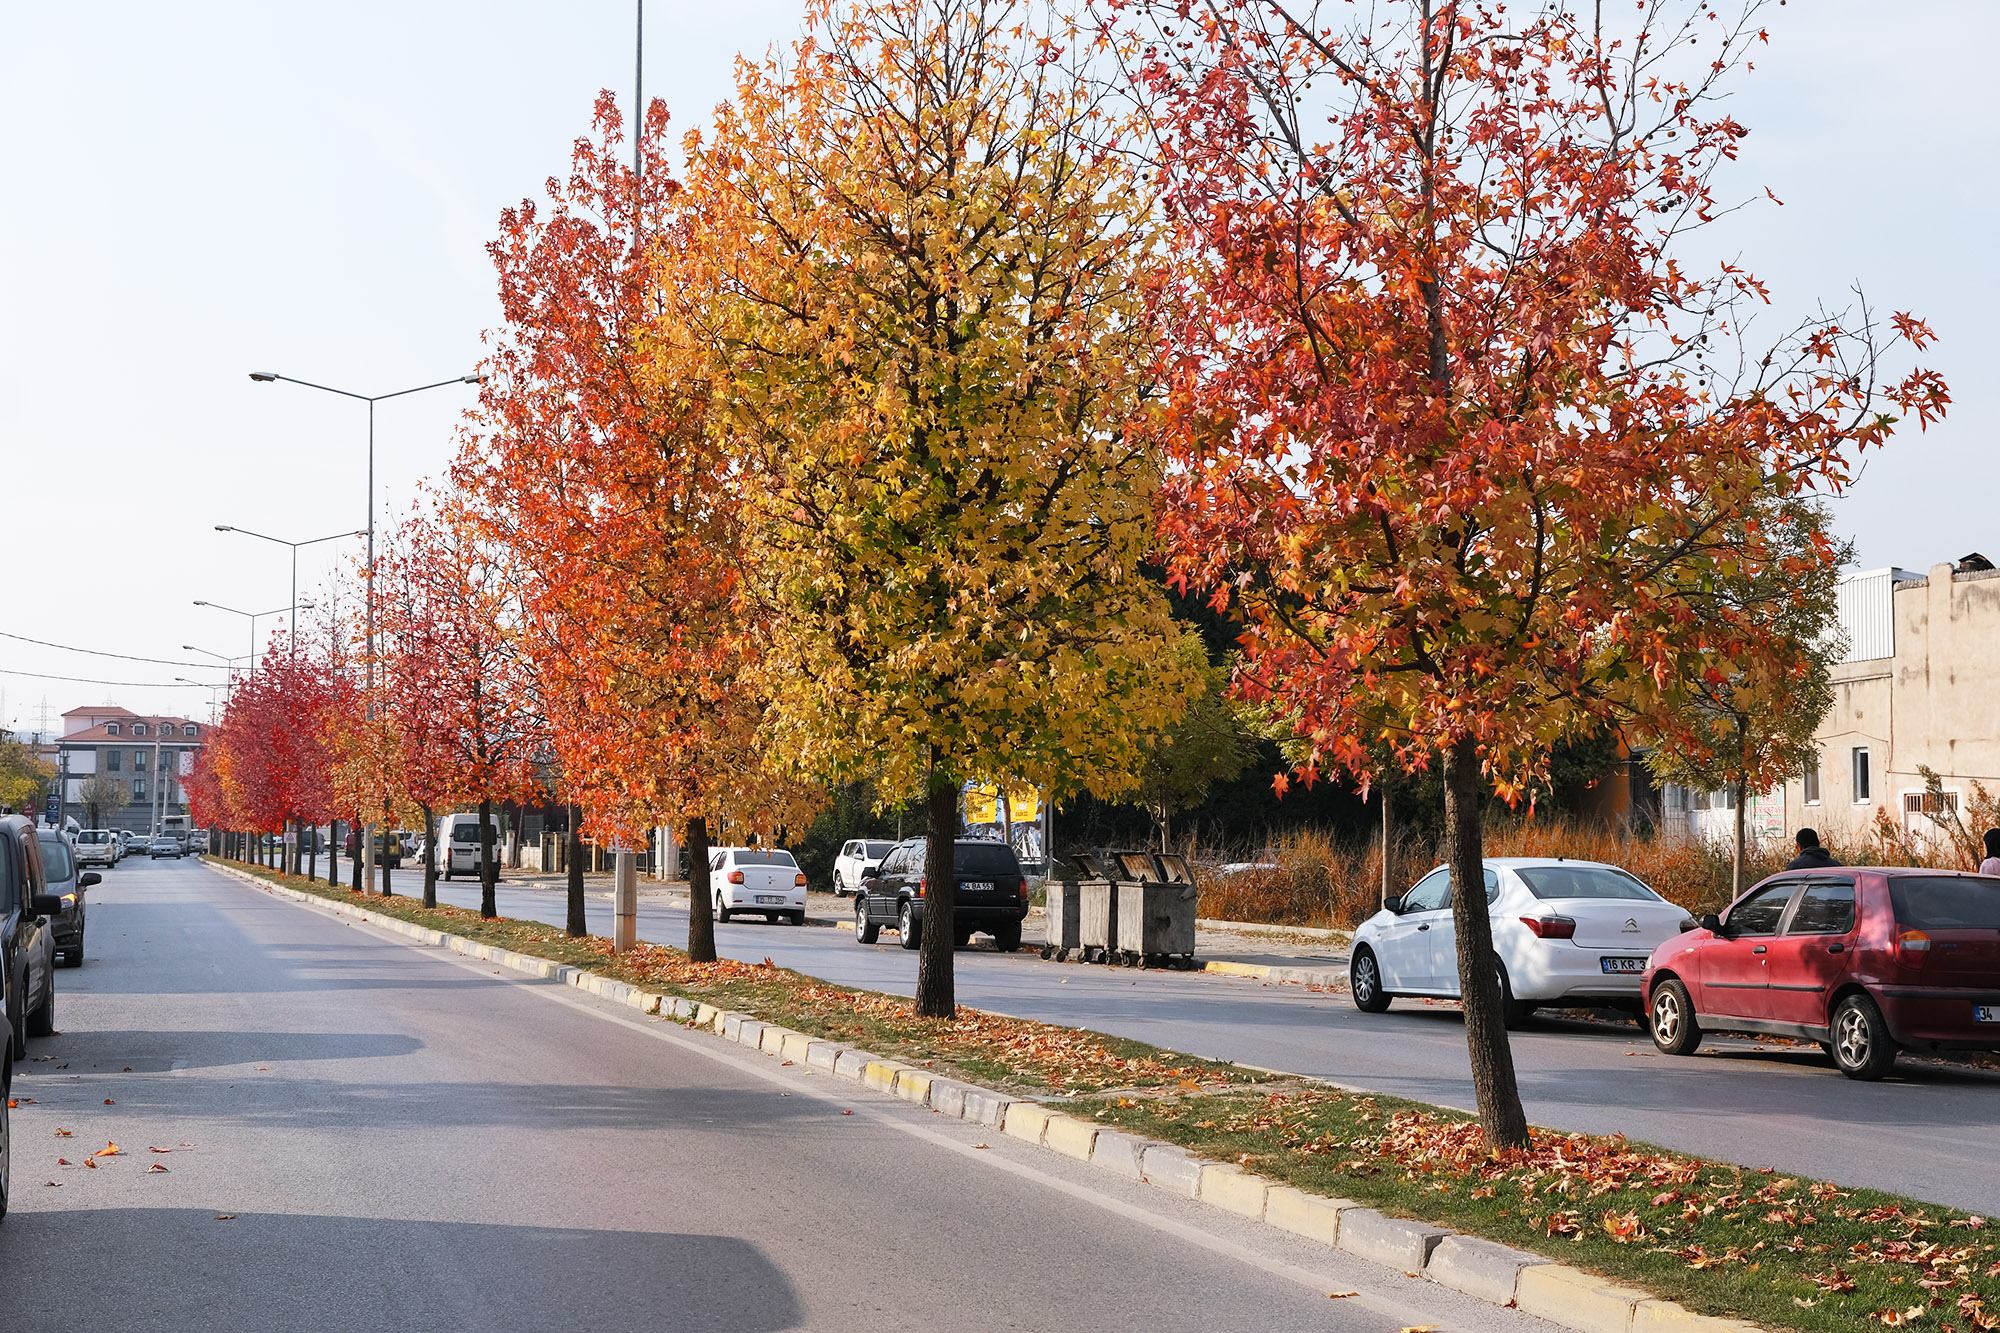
[363, 1134]
[1928, 1131]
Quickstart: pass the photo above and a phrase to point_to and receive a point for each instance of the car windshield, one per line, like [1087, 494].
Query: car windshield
[93, 835]
[1946, 902]
[764, 859]
[1582, 882]
[55, 860]
[991, 860]
[876, 850]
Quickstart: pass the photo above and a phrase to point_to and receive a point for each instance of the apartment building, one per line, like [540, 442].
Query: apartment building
[147, 755]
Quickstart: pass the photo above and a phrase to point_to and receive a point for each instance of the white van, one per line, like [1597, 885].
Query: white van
[461, 845]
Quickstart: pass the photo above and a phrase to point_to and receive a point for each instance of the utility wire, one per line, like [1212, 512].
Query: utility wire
[98, 652]
[137, 684]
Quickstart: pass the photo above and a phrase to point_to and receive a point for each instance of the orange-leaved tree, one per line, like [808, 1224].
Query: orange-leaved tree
[1459, 432]
[598, 465]
[451, 678]
[932, 329]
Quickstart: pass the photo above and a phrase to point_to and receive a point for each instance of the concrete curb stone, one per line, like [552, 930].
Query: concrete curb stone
[1556, 1292]
[1394, 1241]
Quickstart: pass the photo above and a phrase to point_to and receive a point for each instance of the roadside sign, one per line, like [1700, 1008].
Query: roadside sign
[52, 809]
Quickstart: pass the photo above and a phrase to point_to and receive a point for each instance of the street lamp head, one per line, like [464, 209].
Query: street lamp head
[264, 376]
[199, 602]
[473, 379]
[224, 527]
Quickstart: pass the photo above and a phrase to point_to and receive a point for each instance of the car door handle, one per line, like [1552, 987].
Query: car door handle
[1758, 949]
[1836, 948]
[1425, 926]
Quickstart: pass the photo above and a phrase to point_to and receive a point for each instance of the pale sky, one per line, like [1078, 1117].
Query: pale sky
[204, 189]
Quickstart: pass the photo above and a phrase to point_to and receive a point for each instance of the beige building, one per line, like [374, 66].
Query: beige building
[1920, 685]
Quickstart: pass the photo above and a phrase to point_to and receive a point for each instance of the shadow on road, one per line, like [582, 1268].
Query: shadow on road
[145, 1269]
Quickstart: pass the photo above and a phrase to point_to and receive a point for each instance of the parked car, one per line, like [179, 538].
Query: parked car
[27, 935]
[65, 880]
[992, 894]
[757, 879]
[97, 847]
[1576, 933]
[164, 844]
[460, 845]
[856, 859]
[1867, 962]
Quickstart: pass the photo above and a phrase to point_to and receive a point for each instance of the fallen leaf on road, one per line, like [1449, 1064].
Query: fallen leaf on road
[109, 1150]
[225, 1217]
[56, 1183]
[90, 1162]
[979, 1145]
[1341, 1295]
[128, 1069]
[109, 1102]
[62, 1133]
[155, 1167]
[1420, 1328]
[847, 1113]
[159, 1150]
[62, 1161]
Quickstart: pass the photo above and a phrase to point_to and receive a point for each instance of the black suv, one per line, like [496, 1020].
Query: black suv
[27, 935]
[992, 895]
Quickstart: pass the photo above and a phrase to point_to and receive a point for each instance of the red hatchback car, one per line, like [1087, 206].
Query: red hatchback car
[1865, 961]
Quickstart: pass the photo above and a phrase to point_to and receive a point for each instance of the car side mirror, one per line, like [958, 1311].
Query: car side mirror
[90, 877]
[45, 904]
[1712, 924]
[871, 872]
[1393, 905]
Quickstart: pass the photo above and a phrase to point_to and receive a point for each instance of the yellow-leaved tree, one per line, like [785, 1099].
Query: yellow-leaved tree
[927, 248]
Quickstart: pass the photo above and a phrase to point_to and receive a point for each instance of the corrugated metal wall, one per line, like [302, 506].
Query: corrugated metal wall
[1868, 614]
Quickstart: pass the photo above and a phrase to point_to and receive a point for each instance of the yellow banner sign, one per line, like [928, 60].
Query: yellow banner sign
[982, 804]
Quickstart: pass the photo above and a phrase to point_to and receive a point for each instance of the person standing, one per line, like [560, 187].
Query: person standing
[1991, 865]
[1811, 855]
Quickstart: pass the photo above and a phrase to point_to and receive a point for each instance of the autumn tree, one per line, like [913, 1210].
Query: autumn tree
[599, 464]
[1746, 728]
[1459, 431]
[935, 341]
[453, 675]
[1207, 745]
[23, 774]
[103, 796]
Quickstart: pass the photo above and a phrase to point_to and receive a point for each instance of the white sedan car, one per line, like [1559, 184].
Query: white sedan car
[1573, 933]
[757, 879]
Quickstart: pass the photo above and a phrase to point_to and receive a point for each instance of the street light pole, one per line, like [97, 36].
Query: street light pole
[253, 618]
[271, 377]
[294, 622]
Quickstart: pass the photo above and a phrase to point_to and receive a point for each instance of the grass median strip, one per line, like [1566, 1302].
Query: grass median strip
[1784, 1251]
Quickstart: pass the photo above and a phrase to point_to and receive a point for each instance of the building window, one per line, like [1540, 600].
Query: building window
[138, 761]
[138, 789]
[113, 760]
[111, 728]
[1809, 787]
[188, 730]
[1861, 796]
[138, 728]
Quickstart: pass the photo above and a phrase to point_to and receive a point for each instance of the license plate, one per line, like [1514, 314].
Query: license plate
[1622, 964]
[1986, 1013]
[775, 900]
[977, 885]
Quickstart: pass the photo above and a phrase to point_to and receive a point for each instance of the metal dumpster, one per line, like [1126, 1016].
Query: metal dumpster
[1155, 923]
[1064, 912]
[1097, 919]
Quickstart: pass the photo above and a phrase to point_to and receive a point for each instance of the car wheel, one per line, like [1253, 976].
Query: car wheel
[72, 956]
[797, 918]
[1364, 981]
[865, 931]
[906, 922]
[1008, 938]
[42, 1019]
[721, 912]
[1862, 1046]
[1514, 1014]
[1671, 1019]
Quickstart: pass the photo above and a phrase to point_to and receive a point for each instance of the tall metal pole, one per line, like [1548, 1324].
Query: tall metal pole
[368, 598]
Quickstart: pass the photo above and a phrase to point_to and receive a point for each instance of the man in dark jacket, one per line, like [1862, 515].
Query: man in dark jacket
[1811, 855]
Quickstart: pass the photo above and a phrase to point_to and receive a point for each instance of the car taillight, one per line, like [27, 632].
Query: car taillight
[799, 880]
[735, 877]
[1022, 886]
[1551, 927]
[920, 887]
[1912, 948]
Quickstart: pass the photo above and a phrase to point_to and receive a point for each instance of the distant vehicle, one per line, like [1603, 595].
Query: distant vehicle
[65, 881]
[27, 937]
[1867, 962]
[97, 847]
[165, 844]
[856, 859]
[757, 879]
[460, 845]
[992, 894]
[388, 847]
[1566, 932]
[128, 842]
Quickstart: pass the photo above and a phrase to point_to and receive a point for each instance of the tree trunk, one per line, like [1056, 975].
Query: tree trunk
[360, 832]
[488, 872]
[312, 858]
[575, 926]
[387, 891]
[1736, 861]
[701, 894]
[430, 857]
[937, 995]
[1492, 1059]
